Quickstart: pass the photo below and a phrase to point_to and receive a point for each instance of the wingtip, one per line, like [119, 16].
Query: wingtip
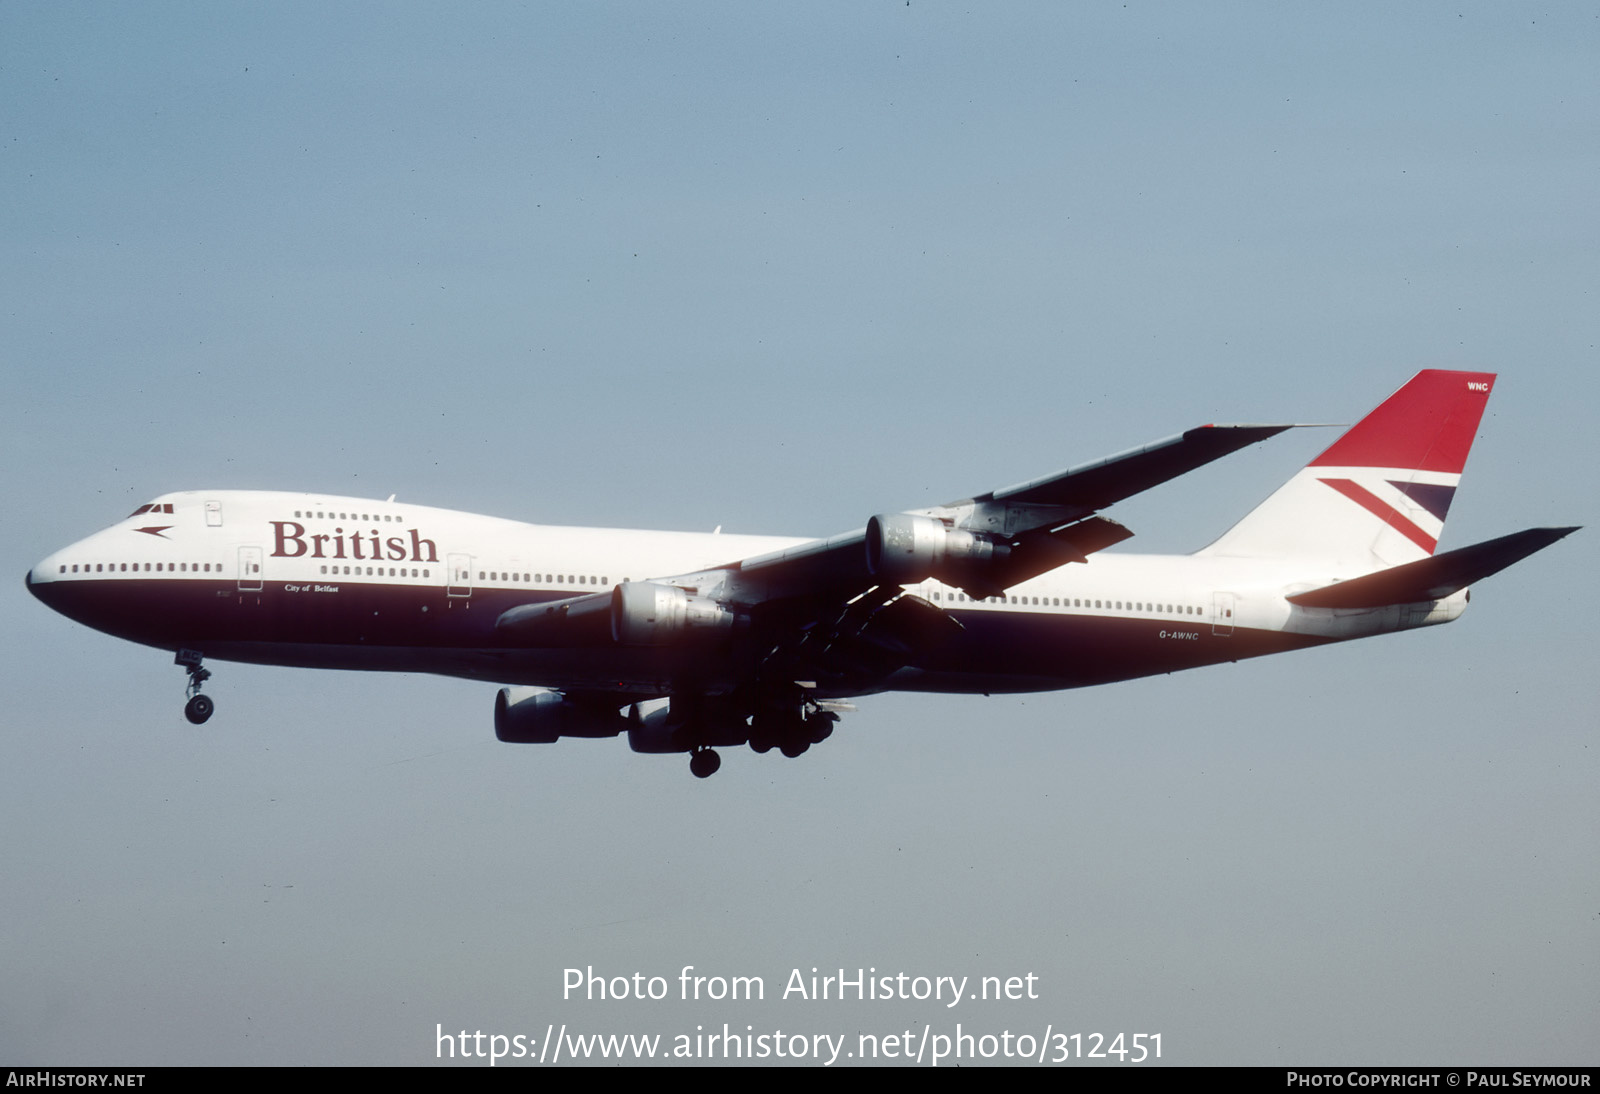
[1235, 432]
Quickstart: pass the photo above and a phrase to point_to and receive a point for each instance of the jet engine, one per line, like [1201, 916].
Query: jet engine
[906, 549]
[644, 613]
[526, 716]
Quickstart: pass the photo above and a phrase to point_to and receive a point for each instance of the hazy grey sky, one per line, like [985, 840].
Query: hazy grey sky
[780, 268]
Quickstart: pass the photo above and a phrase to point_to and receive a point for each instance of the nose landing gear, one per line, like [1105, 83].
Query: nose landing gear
[199, 707]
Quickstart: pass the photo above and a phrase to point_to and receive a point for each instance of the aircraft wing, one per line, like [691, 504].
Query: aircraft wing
[1036, 525]
[833, 610]
[1099, 484]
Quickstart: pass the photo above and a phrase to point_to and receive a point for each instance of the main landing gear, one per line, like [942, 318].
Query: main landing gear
[791, 732]
[199, 707]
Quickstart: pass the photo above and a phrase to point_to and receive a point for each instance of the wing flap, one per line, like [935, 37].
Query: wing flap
[1040, 551]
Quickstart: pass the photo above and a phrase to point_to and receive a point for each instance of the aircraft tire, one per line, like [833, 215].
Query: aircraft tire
[198, 709]
[819, 727]
[704, 764]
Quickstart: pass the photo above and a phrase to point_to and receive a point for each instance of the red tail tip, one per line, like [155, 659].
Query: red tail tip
[1428, 425]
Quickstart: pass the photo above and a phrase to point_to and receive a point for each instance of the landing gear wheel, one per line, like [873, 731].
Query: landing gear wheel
[198, 708]
[819, 726]
[704, 764]
[792, 748]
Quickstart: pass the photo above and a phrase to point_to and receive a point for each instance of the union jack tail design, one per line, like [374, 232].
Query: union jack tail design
[1379, 495]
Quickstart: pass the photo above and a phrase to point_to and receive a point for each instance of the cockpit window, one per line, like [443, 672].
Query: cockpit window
[151, 508]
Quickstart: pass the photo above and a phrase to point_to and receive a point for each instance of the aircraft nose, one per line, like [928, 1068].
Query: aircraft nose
[41, 589]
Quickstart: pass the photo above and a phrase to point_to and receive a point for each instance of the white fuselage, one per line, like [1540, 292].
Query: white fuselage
[321, 581]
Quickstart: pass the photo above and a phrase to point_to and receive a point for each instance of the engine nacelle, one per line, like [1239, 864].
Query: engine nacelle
[646, 614]
[526, 716]
[656, 728]
[905, 549]
[651, 730]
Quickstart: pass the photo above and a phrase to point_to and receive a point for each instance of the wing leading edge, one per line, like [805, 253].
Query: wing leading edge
[985, 544]
[982, 544]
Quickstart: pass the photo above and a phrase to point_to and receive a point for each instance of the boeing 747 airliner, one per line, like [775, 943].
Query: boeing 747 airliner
[687, 642]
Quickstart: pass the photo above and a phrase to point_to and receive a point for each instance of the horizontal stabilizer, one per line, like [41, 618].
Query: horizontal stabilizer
[1432, 578]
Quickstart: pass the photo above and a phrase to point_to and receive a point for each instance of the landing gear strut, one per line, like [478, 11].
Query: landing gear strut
[199, 707]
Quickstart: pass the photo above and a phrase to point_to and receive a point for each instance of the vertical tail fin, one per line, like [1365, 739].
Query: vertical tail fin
[1379, 495]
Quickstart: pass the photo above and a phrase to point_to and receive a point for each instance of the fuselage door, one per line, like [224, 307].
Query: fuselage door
[1222, 620]
[213, 514]
[460, 575]
[250, 569]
